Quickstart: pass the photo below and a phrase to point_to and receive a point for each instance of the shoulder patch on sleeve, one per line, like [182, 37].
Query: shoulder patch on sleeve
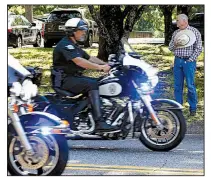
[70, 47]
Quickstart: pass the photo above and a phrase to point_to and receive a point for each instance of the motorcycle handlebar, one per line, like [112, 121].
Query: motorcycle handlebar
[115, 60]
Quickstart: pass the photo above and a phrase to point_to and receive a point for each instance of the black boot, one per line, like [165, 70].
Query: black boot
[100, 125]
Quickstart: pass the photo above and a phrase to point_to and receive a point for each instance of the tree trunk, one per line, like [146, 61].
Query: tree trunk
[168, 27]
[111, 17]
[110, 24]
[102, 53]
[183, 9]
[110, 20]
[133, 15]
[29, 12]
[167, 12]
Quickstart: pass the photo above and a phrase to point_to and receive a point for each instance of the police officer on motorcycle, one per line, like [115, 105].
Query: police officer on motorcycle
[69, 60]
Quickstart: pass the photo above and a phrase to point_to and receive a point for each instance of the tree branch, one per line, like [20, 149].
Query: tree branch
[94, 14]
[140, 12]
[167, 8]
[99, 22]
[132, 18]
[127, 9]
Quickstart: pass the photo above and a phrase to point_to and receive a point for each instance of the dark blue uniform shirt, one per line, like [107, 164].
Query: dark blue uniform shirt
[63, 54]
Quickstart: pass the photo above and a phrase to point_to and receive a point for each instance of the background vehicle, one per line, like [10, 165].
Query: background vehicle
[126, 102]
[40, 20]
[197, 21]
[11, 13]
[53, 29]
[22, 32]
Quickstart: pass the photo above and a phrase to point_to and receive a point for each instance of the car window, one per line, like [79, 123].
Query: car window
[63, 15]
[10, 19]
[87, 14]
[26, 22]
[17, 21]
[198, 18]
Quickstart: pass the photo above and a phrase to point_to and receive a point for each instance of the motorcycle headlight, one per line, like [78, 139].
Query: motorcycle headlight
[16, 88]
[29, 90]
[145, 87]
[154, 81]
[46, 130]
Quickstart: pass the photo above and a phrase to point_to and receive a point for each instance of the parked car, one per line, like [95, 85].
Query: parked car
[38, 23]
[53, 29]
[11, 13]
[197, 21]
[42, 18]
[22, 32]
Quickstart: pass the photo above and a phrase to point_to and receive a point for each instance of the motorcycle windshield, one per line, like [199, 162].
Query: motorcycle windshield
[128, 60]
[15, 70]
[127, 47]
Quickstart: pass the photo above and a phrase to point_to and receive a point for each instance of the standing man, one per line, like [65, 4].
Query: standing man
[71, 60]
[186, 44]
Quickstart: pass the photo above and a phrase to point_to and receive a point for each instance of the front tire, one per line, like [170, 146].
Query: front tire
[89, 41]
[19, 43]
[50, 142]
[38, 41]
[48, 44]
[168, 138]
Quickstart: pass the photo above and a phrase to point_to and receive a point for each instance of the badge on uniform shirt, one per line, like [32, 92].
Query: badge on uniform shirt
[70, 47]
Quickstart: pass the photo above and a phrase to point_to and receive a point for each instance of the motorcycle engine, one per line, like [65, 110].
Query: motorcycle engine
[113, 111]
[82, 121]
[116, 115]
[107, 108]
[110, 110]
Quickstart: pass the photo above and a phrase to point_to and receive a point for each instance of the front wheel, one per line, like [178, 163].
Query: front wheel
[168, 138]
[19, 42]
[48, 44]
[50, 158]
[89, 41]
[38, 41]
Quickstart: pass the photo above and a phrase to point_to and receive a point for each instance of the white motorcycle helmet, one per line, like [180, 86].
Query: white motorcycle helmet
[74, 24]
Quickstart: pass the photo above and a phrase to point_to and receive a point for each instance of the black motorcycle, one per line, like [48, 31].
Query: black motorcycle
[126, 102]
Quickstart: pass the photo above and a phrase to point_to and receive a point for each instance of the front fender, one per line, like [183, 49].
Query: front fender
[166, 104]
[39, 119]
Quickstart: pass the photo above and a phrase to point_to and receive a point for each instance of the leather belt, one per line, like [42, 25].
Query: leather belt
[185, 58]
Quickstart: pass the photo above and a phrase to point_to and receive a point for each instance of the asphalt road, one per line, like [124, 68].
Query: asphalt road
[130, 157]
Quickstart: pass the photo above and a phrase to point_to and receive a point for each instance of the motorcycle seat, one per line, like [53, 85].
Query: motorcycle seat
[65, 93]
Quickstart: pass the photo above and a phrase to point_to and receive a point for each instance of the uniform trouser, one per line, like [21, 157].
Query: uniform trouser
[85, 85]
[79, 84]
[184, 69]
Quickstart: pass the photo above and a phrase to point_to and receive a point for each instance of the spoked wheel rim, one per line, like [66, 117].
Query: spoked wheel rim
[38, 40]
[90, 40]
[42, 163]
[168, 134]
[19, 42]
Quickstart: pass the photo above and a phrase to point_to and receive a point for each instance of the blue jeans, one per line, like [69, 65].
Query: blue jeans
[184, 69]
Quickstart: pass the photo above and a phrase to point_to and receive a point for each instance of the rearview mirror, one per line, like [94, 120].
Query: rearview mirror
[135, 55]
[33, 24]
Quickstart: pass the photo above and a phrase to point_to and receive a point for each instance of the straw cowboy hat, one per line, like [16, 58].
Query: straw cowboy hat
[184, 38]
